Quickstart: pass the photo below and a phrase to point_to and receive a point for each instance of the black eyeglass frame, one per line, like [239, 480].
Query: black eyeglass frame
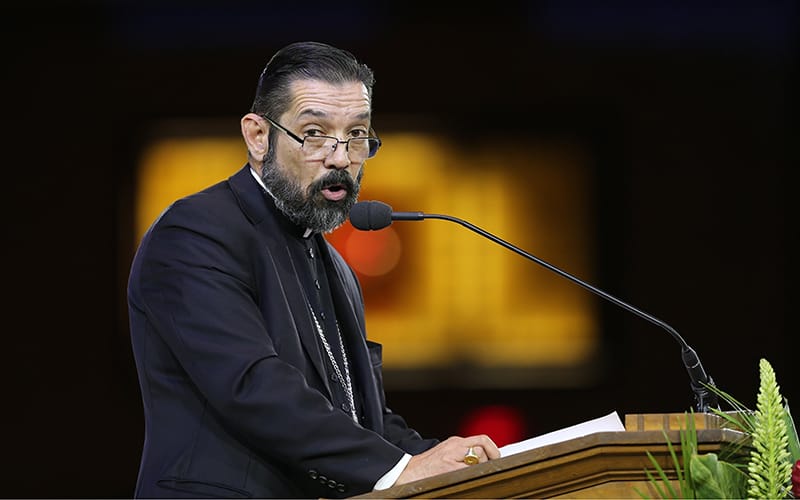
[302, 140]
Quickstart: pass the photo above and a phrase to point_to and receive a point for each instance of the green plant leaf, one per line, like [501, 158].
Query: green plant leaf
[743, 418]
[714, 478]
[689, 449]
[791, 432]
[764, 472]
[664, 486]
[769, 468]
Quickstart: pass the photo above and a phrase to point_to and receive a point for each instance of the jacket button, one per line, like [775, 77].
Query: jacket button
[340, 488]
[332, 484]
[323, 480]
[313, 474]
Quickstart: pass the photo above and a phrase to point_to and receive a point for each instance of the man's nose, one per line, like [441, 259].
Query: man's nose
[338, 157]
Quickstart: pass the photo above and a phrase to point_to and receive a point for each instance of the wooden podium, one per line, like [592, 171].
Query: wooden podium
[599, 465]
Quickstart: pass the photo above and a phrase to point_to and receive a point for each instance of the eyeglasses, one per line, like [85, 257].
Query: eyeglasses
[318, 147]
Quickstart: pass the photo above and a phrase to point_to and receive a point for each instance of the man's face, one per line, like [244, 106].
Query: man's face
[318, 193]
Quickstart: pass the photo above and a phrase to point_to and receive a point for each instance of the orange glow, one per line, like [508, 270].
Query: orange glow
[373, 256]
[171, 168]
[438, 294]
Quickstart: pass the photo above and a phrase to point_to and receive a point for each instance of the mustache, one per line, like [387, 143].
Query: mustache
[340, 177]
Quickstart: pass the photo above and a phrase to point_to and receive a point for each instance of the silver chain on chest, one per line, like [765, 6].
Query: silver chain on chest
[344, 380]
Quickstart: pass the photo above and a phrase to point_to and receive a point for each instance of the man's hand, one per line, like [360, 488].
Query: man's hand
[448, 456]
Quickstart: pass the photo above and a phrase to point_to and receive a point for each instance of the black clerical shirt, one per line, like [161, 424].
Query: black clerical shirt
[303, 246]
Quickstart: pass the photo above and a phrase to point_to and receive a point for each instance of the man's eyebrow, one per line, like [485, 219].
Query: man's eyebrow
[318, 113]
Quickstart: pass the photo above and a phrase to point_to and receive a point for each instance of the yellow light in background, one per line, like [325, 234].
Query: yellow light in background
[437, 294]
[174, 167]
[472, 302]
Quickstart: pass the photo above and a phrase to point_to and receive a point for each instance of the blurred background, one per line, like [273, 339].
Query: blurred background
[645, 147]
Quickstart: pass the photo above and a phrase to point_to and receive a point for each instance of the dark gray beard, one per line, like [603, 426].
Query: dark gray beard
[311, 209]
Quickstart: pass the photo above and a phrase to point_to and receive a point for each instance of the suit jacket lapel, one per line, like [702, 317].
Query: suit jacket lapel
[259, 208]
[298, 303]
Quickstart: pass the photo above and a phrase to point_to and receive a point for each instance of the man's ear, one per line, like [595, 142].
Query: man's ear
[255, 131]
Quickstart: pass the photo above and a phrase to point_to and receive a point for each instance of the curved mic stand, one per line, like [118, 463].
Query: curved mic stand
[701, 383]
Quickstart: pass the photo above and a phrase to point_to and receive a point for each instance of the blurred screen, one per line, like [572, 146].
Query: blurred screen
[450, 307]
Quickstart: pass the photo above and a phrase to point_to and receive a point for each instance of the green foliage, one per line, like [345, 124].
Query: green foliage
[688, 452]
[664, 487]
[769, 468]
[767, 473]
[791, 432]
[714, 478]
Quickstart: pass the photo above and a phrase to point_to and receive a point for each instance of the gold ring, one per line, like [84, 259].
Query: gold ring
[470, 458]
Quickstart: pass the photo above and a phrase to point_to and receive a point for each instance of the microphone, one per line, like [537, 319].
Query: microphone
[375, 215]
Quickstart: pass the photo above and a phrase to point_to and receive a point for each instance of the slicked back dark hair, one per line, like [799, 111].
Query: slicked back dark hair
[301, 61]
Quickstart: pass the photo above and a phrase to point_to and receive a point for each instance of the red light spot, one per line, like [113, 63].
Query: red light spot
[373, 253]
[504, 424]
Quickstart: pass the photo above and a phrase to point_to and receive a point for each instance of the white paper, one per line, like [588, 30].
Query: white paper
[608, 423]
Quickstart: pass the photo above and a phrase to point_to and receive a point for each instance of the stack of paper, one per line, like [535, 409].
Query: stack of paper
[608, 423]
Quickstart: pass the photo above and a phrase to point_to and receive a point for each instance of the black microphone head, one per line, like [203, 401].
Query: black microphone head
[370, 215]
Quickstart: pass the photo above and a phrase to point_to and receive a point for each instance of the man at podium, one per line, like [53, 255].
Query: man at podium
[248, 331]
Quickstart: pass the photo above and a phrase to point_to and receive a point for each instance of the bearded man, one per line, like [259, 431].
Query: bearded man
[256, 375]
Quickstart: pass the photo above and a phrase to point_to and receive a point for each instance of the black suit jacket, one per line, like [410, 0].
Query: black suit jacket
[235, 398]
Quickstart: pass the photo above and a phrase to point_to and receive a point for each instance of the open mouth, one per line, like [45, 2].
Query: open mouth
[334, 192]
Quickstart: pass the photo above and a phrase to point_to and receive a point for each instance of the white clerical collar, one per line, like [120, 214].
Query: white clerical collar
[308, 232]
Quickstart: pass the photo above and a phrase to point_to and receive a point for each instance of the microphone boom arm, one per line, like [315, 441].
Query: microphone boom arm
[700, 381]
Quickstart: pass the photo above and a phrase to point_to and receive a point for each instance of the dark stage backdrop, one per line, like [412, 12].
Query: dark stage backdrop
[689, 109]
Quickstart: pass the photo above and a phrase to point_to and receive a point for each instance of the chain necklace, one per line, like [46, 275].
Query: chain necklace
[344, 380]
